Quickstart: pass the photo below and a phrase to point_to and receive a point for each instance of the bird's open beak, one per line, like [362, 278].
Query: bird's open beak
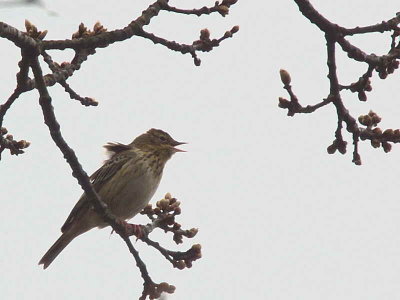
[177, 144]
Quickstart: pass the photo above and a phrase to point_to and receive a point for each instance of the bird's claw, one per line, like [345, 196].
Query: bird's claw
[136, 230]
[132, 229]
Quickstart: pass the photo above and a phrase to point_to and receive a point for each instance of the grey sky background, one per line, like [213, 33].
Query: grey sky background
[278, 217]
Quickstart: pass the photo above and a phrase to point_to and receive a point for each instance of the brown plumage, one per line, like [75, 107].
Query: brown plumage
[126, 182]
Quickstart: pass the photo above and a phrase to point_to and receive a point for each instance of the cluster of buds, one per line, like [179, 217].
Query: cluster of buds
[167, 205]
[362, 86]
[230, 33]
[8, 142]
[182, 260]
[164, 216]
[33, 32]
[154, 290]
[84, 32]
[206, 44]
[382, 138]
[339, 145]
[386, 69]
[375, 134]
[370, 120]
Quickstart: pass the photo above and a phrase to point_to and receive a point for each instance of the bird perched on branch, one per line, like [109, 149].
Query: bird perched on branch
[126, 182]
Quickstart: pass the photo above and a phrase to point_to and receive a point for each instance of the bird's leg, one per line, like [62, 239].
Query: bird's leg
[132, 229]
[136, 230]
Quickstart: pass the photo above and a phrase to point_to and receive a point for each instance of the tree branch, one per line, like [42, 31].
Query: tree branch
[383, 65]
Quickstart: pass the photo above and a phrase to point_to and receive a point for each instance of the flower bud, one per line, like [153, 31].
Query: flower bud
[205, 34]
[188, 263]
[362, 96]
[375, 143]
[228, 34]
[283, 103]
[223, 10]
[365, 120]
[331, 149]
[171, 289]
[388, 133]
[285, 77]
[165, 287]
[197, 62]
[3, 130]
[386, 147]
[235, 29]
[192, 232]
[342, 147]
[377, 131]
[382, 74]
[357, 159]
[28, 26]
[42, 35]
[98, 28]
[176, 204]
[163, 203]
[196, 247]
[180, 264]
[23, 144]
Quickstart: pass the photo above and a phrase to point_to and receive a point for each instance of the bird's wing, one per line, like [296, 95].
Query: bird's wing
[99, 178]
[109, 169]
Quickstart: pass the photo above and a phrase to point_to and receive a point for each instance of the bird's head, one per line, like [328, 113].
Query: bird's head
[156, 140]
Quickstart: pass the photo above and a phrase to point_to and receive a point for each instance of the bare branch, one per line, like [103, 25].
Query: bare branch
[383, 65]
[19, 38]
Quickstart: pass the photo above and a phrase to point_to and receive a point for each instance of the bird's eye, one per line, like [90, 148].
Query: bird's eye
[162, 138]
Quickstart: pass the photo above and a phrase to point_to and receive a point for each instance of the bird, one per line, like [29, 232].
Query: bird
[126, 182]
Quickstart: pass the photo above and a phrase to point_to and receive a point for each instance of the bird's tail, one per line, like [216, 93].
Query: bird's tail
[56, 249]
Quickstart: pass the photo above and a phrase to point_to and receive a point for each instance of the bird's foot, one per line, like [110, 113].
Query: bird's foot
[132, 229]
[136, 230]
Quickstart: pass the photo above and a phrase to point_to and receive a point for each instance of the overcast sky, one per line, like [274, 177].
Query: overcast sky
[278, 217]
